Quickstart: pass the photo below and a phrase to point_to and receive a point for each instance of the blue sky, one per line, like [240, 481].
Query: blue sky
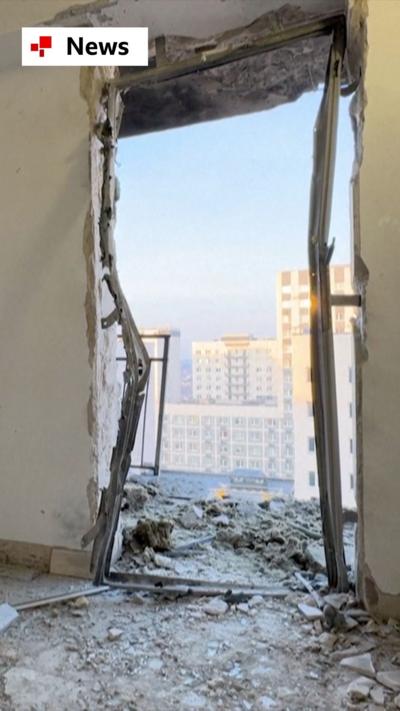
[210, 213]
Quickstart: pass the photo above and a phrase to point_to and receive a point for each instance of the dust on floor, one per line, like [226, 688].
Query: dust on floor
[133, 652]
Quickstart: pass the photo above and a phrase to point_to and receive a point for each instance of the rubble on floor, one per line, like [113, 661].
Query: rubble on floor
[307, 651]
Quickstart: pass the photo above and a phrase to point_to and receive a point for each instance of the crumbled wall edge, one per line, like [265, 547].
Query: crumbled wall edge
[101, 346]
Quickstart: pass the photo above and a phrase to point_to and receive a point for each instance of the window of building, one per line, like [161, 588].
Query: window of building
[311, 478]
[350, 409]
[350, 375]
[351, 481]
[310, 409]
[303, 277]
[311, 444]
[351, 445]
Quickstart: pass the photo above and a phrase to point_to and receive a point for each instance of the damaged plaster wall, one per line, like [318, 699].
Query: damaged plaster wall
[377, 224]
[52, 442]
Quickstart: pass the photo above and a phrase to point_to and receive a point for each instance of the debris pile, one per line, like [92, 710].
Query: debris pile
[281, 535]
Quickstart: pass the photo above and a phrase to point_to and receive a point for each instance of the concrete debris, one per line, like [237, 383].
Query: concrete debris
[191, 517]
[358, 689]
[216, 607]
[8, 615]
[80, 602]
[162, 561]
[255, 601]
[149, 533]
[362, 664]
[327, 640]
[309, 612]
[396, 701]
[135, 497]
[352, 651]
[338, 620]
[336, 600]
[378, 696]
[265, 702]
[114, 633]
[390, 679]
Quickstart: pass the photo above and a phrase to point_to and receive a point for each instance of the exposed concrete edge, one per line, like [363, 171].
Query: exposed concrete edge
[380, 604]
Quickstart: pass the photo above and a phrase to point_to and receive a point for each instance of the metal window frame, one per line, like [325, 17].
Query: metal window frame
[155, 468]
[323, 385]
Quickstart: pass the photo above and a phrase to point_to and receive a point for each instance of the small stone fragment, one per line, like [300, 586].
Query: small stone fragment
[216, 607]
[358, 689]
[349, 622]
[362, 663]
[390, 679]
[337, 600]
[265, 702]
[310, 613]
[80, 602]
[327, 640]
[162, 561]
[135, 497]
[396, 701]
[243, 607]
[221, 520]
[114, 633]
[378, 696]
[256, 600]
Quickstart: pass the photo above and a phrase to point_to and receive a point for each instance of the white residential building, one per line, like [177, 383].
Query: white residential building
[305, 467]
[240, 369]
[252, 397]
[221, 438]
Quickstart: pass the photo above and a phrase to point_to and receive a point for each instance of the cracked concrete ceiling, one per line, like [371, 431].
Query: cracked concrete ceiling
[248, 85]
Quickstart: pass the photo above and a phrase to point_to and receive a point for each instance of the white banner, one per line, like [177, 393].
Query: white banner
[84, 46]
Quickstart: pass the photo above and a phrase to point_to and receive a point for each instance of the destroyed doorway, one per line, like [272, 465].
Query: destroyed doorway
[164, 73]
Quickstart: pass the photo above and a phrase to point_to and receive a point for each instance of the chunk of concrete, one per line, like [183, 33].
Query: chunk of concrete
[309, 612]
[8, 615]
[216, 607]
[114, 633]
[337, 600]
[358, 689]
[378, 696]
[361, 663]
[390, 679]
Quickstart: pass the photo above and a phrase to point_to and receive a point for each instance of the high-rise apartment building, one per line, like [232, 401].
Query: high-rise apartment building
[239, 369]
[252, 397]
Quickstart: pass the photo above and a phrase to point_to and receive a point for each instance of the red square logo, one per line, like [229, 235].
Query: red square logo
[45, 42]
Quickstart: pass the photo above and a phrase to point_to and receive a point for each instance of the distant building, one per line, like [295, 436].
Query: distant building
[220, 438]
[252, 397]
[239, 369]
[305, 463]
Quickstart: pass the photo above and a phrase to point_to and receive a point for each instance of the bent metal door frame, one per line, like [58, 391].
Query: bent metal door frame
[322, 356]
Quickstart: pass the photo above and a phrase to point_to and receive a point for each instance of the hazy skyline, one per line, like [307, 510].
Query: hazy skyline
[209, 213]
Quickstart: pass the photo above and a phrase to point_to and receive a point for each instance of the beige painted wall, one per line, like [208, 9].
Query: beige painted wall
[380, 248]
[45, 448]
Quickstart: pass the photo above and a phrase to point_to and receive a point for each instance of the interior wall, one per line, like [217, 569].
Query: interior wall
[46, 446]
[378, 212]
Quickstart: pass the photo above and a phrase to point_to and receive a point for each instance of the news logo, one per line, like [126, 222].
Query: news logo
[44, 43]
[84, 46]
